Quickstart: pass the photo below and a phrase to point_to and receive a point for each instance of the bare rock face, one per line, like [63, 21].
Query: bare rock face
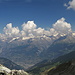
[5, 71]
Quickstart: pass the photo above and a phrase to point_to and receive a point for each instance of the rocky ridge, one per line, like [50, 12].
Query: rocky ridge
[6, 71]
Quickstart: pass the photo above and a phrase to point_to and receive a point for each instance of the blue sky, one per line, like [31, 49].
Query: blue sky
[43, 12]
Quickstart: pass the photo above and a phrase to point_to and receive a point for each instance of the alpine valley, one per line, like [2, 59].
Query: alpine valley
[29, 51]
[37, 37]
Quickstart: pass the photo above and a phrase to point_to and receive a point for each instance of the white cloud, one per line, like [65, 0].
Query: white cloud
[53, 32]
[65, 5]
[62, 27]
[30, 30]
[71, 4]
[30, 25]
[11, 31]
[38, 32]
[2, 37]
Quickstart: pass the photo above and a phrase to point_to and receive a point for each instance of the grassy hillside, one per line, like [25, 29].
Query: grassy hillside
[67, 68]
[46, 65]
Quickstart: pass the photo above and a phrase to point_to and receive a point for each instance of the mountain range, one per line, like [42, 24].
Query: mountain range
[29, 51]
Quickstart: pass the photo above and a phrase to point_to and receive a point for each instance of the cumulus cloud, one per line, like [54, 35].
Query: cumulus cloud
[62, 27]
[11, 31]
[38, 32]
[53, 32]
[71, 4]
[30, 30]
[2, 37]
[30, 25]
